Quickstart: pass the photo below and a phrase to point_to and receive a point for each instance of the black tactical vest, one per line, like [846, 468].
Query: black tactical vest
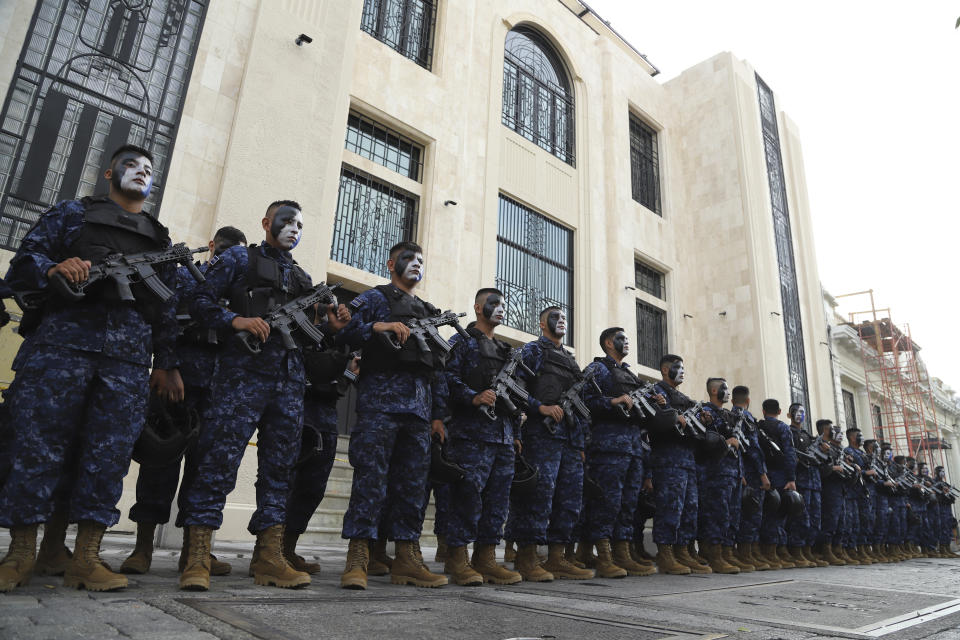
[324, 369]
[377, 356]
[493, 355]
[558, 373]
[623, 383]
[263, 288]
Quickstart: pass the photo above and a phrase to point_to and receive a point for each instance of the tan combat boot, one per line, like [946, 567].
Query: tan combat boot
[441, 554]
[54, 556]
[808, 554]
[570, 553]
[862, 555]
[195, 574]
[667, 562]
[844, 553]
[379, 563]
[946, 549]
[528, 565]
[584, 556]
[714, 555]
[86, 570]
[561, 569]
[746, 552]
[217, 567]
[623, 558]
[606, 568]
[769, 552]
[831, 557]
[458, 566]
[731, 558]
[139, 561]
[17, 566]
[798, 559]
[681, 553]
[639, 555]
[354, 575]
[509, 551]
[786, 562]
[298, 562]
[485, 563]
[408, 567]
[271, 568]
[695, 554]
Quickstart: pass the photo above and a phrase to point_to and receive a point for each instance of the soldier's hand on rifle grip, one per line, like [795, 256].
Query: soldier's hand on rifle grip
[399, 329]
[254, 326]
[764, 482]
[518, 446]
[682, 421]
[436, 429]
[73, 269]
[837, 468]
[487, 397]
[706, 417]
[733, 442]
[660, 400]
[551, 411]
[338, 316]
[648, 485]
[624, 399]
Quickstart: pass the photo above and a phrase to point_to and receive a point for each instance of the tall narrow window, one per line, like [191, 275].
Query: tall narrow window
[650, 280]
[406, 26]
[644, 165]
[651, 334]
[91, 76]
[537, 98]
[877, 422]
[534, 266]
[849, 409]
[789, 293]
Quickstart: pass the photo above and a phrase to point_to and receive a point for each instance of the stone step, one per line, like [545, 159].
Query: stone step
[337, 501]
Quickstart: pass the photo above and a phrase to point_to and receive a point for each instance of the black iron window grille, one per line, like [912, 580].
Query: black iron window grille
[92, 75]
[651, 334]
[849, 409]
[406, 26]
[650, 280]
[789, 290]
[644, 165]
[372, 216]
[537, 100]
[384, 146]
[534, 266]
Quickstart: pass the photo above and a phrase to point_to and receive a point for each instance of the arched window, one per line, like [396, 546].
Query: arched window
[537, 96]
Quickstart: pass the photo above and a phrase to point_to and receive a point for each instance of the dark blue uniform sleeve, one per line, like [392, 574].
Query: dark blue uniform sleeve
[440, 398]
[533, 358]
[464, 355]
[789, 453]
[166, 329]
[755, 453]
[228, 272]
[366, 309]
[598, 400]
[41, 248]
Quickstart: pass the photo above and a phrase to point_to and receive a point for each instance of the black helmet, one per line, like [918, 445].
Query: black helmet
[771, 501]
[525, 479]
[170, 429]
[713, 445]
[646, 506]
[592, 491]
[791, 504]
[750, 501]
[442, 470]
[663, 423]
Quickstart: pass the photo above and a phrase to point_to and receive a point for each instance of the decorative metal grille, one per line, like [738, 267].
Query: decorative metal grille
[384, 146]
[651, 334]
[534, 266]
[644, 165]
[92, 75]
[849, 410]
[877, 422]
[406, 26]
[537, 100]
[372, 216]
[789, 294]
[650, 280]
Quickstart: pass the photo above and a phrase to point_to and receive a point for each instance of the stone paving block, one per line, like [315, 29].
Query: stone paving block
[14, 601]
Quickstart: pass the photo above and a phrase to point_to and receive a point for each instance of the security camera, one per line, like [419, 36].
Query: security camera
[449, 203]
[303, 38]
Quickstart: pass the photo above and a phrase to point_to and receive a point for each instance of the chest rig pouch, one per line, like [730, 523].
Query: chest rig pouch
[493, 355]
[558, 373]
[624, 381]
[264, 287]
[377, 356]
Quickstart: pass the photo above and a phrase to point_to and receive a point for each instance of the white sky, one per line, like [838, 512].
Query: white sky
[875, 90]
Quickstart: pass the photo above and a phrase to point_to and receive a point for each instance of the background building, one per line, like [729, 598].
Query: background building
[523, 143]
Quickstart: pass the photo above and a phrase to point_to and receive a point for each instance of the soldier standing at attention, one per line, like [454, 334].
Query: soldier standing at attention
[802, 532]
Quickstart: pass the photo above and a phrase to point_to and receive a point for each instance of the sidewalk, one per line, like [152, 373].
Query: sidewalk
[849, 602]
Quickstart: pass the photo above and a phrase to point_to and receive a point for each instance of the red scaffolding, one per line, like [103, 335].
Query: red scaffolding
[898, 383]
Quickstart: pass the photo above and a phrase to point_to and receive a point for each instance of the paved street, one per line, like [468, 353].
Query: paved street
[857, 602]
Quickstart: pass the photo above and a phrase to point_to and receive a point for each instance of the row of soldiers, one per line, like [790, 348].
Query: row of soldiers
[125, 355]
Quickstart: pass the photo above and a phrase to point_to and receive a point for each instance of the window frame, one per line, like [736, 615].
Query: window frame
[374, 23]
[651, 158]
[642, 335]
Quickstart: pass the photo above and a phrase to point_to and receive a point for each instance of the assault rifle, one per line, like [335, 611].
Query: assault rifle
[571, 402]
[129, 269]
[423, 329]
[641, 402]
[507, 388]
[847, 470]
[287, 318]
[695, 428]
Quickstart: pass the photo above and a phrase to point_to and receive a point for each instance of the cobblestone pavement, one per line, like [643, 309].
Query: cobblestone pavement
[919, 599]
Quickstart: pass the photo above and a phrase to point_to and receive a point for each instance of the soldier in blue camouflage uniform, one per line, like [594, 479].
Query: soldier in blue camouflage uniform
[252, 392]
[485, 448]
[782, 469]
[553, 443]
[396, 413]
[755, 475]
[857, 498]
[833, 505]
[879, 507]
[83, 391]
[157, 485]
[931, 514]
[720, 500]
[901, 507]
[887, 521]
[674, 474]
[944, 522]
[802, 532]
[615, 458]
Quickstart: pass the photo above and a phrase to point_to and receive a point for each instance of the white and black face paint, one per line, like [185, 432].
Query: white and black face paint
[557, 323]
[799, 414]
[494, 309]
[409, 265]
[287, 227]
[887, 454]
[676, 372]
[621, 344]
[723, 393]
[132, 174]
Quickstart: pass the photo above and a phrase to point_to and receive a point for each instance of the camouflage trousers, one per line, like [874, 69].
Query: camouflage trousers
[803, 530]
[881, 518]
[719, 510]
[478, 504]
[621, 478]
[832, 511]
